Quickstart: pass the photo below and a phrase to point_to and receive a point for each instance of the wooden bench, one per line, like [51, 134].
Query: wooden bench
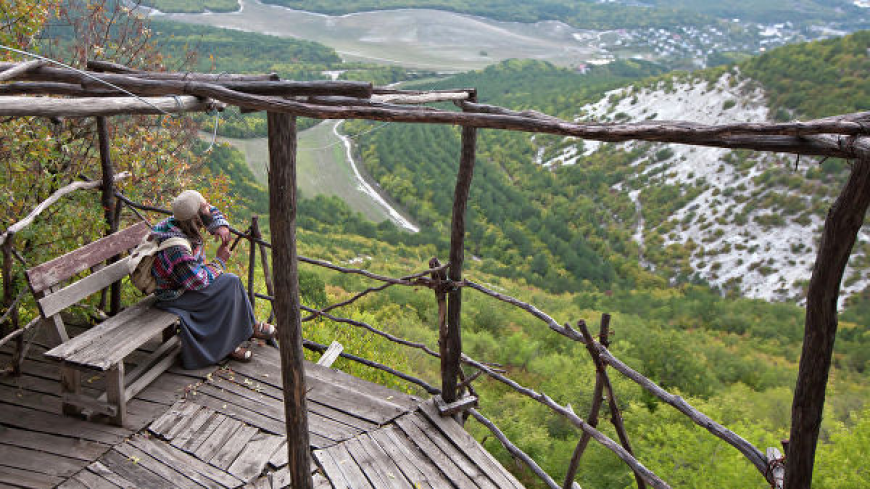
[104, 347]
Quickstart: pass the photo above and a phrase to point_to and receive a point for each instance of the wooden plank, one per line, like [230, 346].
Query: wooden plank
[337, 377]
[40, 462]
[272, 408]
[194, 468]
[58, 445]
[366, 464]
[60, 425]
[393, 438]
[434, 453]
[130, 470]
[100, 470]
[380, 461]
[190, 417]
[454, 453]
[93, 481]
[254, 457]
[458, 406]
[238, 412]
[56, 302]
[34, 400]
[403, 462]
[176, 414]
[195, 439]
[233, 447]
[281, 479]
[319, 482]
[164, 471]
[26, 478]
[370, 408]
[352, 473]
[275, 393]
[50, 273]
[469, 446]
[331, 354]
[81, 341]
[330, 469]
[112, 347]
[72, 484]
[200, 418]
[211, 445]
[279, 458]
[167, 389]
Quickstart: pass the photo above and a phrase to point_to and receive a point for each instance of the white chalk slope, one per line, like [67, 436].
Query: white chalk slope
[770, 254]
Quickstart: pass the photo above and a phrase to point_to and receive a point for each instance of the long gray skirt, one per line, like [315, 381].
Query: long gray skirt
[214, 320]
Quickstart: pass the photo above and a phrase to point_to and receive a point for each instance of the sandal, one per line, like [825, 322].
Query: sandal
[264, 331]
[241, 354]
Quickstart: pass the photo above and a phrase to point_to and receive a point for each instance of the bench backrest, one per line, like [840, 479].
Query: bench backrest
[44, 277]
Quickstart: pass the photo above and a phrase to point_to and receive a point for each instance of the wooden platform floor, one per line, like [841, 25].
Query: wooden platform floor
[223, 427]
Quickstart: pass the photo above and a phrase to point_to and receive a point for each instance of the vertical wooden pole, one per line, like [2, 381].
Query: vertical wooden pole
[842, 225]
[252, 262]
[282, 217]
[450, 368]
[8, 285]
[108, 203]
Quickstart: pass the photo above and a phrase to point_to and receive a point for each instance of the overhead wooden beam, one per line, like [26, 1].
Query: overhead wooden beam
[102, 106]
[842, 225]
[21, 69]
[106, 66]
[282, 217]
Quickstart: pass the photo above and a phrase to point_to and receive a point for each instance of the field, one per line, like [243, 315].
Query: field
[323, 168]
[419, 39]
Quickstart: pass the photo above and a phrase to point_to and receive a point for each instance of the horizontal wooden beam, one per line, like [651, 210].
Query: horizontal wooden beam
[106, 66]
[102, 106]
[21, 68]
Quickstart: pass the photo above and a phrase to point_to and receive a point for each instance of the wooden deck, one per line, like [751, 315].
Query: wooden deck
[222, 427]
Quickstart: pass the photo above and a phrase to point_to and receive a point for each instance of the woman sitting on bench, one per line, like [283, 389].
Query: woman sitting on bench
[216, 315]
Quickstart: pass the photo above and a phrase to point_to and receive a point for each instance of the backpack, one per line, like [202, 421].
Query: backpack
[142, 258]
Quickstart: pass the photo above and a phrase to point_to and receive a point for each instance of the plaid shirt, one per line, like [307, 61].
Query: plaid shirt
[176, 270]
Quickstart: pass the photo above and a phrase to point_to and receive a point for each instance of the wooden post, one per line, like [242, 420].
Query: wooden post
[252, 262]
[8, 285]
[441, 297]
[282, 217]
[108, 203]
[842, 224]
[450, 362]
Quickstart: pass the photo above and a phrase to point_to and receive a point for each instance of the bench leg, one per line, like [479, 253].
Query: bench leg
[70, 383]
[116, 393]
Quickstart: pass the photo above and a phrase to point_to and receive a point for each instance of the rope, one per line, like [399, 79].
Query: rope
[85, 73]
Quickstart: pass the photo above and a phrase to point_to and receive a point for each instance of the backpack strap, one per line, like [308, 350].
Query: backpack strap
[169, 243]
